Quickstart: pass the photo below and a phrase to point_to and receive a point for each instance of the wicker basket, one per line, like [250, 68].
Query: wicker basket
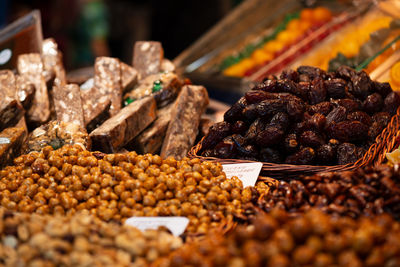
[384, 143]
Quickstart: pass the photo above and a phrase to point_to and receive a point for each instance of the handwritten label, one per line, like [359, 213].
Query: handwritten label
[5, 56]
[246, 172]
[4, 140]
[176, 225]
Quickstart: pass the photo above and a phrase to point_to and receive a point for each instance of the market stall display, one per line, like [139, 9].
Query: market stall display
[79, 163]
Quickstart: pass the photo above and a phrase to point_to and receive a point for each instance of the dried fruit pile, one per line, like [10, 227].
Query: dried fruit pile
[314, 239]
[79, 240]
[307, 117]
[365, 191]
[119, 186]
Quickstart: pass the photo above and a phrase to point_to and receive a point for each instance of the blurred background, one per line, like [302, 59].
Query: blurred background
[85, 29]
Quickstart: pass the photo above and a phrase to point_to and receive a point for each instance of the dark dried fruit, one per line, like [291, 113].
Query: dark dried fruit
[347, 153]
[280, 120]
[317, 94]
[304, 157]
[235, 112]
[311, 139]
[380, 121]
[317, 122]
[350, 104]
[291, 143]
[254, 130]
[326, 154]
[270, 136]
[337, 115]
[295, 108]
[250, 113]
[311, 72]
[287, 86]
[360, 116]
[270, 155]
[323, 108]
[271, 106]
[216, 133]
[239, 127]
[290, 75]
[336, 88]
[348, 131]
[345, 73]
[267, 86]
[373, 103]
[392, 102]
[225, 149]
[382, 88]
[362, 85]
[255, 96]
[304, 78]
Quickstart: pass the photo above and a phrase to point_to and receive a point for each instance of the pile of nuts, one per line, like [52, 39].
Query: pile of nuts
[368, 191]
[78, 240]
[119, 186]
[313, 239]
[306, 116]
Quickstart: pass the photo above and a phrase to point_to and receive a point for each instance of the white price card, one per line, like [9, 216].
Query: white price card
[4, 140]
[176, 225]
[246, 172]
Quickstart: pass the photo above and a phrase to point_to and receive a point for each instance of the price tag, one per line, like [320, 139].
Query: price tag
[176, 225]
[88, 84]
[246, 172]
[4, 140]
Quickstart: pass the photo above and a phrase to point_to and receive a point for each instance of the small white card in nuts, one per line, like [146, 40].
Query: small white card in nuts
[246, 172]
[176, 225]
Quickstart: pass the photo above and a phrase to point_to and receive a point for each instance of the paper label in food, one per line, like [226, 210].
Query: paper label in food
[5, 56]
[176, 225]
[246, 172]
[88, 84]
[4, 140]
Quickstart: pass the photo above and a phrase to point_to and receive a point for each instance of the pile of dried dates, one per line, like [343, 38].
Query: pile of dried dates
[306, 116]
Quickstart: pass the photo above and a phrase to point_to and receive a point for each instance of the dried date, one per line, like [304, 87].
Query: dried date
[360, 116]
[290, 75]
[304, 157]
[290, 143]
[295, 108]
[392, 102]
[317, 94]
[270, 107]
[239, 127]
[337, 115]
[350, 104]
[250, 113]
[326, 154]
[347, 153]
[235, 112]
[216, 133]
[336, 88]
[362, 85]
[311, 72]
[280, 120]
[311, 139]
[348, 131]
[272, 135]
[382, 88]
[373, 103]
[323, 108]
[269, 85]
[255, 96]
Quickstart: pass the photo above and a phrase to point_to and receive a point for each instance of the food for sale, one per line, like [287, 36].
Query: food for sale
[52, 63]
[11, 110]
[147, 58]
[185, 120]
[108, 80]
[346, 48]
[313, 239]
[164, 87]
[68, 104]
[124, 126]
[294, 28]
[119, 186]
[128, 77]
[56, 134]
[78, 240]
[25, 91]
[151, 139]
[95, 106]
[31, 67]
[320, 118]
[11, 141]
[365, 191]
